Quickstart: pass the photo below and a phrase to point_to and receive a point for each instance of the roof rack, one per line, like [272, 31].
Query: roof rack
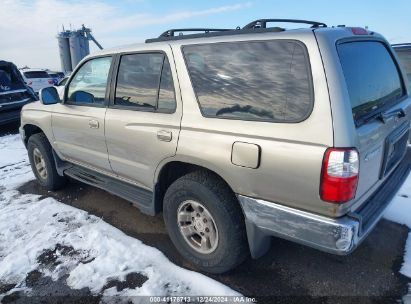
[262, 23]
[257, 26]
[170, 33]
[212, 33]
[401, 44]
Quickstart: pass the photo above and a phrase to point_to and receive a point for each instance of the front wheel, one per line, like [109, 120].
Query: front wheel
[205, 222]
[42, 162]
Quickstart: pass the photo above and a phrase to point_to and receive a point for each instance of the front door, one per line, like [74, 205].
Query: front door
[78, 123]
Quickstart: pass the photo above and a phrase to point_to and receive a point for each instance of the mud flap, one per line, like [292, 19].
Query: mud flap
[258, 242]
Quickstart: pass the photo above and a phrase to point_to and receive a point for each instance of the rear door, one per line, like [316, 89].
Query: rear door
[380, 108]
[143, 118]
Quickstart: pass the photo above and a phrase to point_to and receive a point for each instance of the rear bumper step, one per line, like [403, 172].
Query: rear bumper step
[333, 235]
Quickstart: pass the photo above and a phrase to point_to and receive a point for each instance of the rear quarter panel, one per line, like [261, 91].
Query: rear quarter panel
[291, 153]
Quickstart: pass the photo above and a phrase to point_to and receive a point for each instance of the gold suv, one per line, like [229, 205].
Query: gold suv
[235, 135]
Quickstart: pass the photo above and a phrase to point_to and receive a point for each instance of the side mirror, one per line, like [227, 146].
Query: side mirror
[49, 96]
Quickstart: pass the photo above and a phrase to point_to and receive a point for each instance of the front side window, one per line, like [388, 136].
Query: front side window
[90, 82]
[144, 82]
[259, 80]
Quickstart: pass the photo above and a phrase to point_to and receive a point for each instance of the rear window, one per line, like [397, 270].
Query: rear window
[371, 76]
[36, 74]
[8, 76]
[259, 80]
[405, 60]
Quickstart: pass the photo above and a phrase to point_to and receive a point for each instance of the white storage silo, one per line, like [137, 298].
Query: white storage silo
[64, 49]
[75, 50]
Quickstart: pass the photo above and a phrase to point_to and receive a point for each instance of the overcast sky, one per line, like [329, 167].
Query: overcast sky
[28, 28]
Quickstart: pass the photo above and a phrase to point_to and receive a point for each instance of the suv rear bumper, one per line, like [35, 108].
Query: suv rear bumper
[334, 235]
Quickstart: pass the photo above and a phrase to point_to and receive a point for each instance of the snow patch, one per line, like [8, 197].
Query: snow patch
[400, 211]
[56, 239]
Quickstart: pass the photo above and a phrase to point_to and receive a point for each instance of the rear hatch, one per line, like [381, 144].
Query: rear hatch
[13, 91]
[380, 109]
[38, 79]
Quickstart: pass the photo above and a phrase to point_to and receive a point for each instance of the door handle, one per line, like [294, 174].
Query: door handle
[164, 135]
[93, 124]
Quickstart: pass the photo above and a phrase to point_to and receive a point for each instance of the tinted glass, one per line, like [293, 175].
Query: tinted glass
[138, 80]
[90, 82]
[36, 74]
[266, 80]
[166, 97]
[9, 76]
[405, 60]
[371, 75]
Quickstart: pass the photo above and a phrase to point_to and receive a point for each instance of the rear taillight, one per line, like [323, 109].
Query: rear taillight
[340, 175]
[51, 81]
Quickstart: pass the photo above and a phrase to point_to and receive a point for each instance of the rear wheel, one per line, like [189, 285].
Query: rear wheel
[205, 222]
[42, 162]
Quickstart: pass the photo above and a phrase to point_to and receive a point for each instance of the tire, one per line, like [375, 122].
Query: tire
[219, 202]
[38, 147]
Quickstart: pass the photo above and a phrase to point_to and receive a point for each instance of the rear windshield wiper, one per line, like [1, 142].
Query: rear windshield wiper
[382, 116]
[386, 115]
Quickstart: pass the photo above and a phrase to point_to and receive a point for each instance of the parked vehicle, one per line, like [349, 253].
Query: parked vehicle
[404, 54]
[235, 135]
[37, 79]
[56, 76]
[14, 93]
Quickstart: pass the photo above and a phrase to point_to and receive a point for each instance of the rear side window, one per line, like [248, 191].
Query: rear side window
[405, 60]
[36, 74]
[371, 76]
[262, 80]
[144, 81]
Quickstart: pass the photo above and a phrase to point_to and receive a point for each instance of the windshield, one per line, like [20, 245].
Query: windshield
[371, 76]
